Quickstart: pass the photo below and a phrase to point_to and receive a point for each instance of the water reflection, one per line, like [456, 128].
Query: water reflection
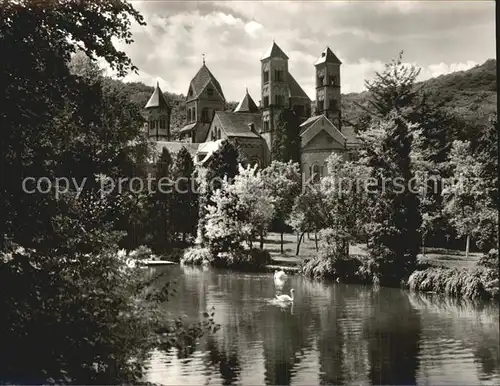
[333, 334]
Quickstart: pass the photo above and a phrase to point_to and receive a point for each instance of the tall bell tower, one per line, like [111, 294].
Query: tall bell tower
[274, 86]
[328, 86]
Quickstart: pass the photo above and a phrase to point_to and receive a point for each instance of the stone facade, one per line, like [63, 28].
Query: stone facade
[250, 126]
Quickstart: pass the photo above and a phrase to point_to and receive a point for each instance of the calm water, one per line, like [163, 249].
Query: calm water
[333, 334]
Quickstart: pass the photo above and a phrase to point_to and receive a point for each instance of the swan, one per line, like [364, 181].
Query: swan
[279, 275]
[285, 298]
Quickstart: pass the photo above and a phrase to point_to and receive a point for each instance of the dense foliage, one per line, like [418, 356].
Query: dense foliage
[72, 310]
[286, 138]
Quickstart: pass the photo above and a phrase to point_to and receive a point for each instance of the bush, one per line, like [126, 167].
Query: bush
[455, 282]
[244, 259]
[142, 253]
[196, 256]
[490, 260]
[353, 269]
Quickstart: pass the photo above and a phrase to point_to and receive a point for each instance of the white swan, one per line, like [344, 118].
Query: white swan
[285, 298]
[279, 275]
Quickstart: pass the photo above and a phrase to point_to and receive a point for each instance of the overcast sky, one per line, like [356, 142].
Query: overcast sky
[439, 36]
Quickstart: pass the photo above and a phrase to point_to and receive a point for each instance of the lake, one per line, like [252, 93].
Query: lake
[333, 334]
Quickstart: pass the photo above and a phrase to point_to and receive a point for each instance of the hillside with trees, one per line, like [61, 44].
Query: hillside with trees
[470, 96]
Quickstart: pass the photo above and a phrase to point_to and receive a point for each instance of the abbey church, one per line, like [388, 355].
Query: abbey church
[250, 125]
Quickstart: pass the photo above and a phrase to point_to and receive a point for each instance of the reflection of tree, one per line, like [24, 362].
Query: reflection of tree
[330, 344]
[283, 339]
[473, 326]
[393, 331]
[228, 364]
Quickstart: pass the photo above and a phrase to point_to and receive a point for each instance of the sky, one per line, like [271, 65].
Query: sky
[438, 36]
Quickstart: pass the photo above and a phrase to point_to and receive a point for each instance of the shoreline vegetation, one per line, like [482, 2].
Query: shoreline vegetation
[441, 271]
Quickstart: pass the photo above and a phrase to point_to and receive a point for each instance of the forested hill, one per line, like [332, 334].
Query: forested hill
[470, 95]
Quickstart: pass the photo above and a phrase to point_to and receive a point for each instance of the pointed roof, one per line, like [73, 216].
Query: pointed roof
[295, 91]
[327, 56]
[274, 52]
[157, 99]
[246, 105]
[201, 80]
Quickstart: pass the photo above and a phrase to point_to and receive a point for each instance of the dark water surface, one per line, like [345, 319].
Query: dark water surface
[333, 334]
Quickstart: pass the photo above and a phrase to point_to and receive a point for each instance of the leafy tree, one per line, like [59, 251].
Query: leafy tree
[430, 154]
[161, 204]
[467, 200]
[286, 138]
[185, 207]
[255, 203]
[306, 212]
[242, 210]
[283, 181]
[345, 197]
[62, 284]
[394, 213]
[222, 163]
[393, 89]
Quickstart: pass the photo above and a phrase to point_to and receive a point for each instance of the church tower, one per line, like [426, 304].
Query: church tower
[328, 86]
[274, 89]
[157, 114]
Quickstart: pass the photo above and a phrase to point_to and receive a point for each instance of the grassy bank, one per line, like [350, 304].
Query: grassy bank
[440, 271]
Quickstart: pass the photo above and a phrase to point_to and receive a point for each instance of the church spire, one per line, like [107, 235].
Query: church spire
[203, 58]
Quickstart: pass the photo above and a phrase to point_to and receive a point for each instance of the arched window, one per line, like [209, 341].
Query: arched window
[219, 134]
[316, 173]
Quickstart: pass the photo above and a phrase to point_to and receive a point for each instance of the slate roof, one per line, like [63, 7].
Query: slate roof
[295, 89]
[207, 149]
[274, 52]
[200, 128]
[237, 124]
[246, 105]
[157, 99]
[327, 56]
[309, 122]
[202, 78]
[187, 127]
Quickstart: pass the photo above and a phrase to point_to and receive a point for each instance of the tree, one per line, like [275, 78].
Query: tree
[283, 181]
[222, 163]
[394, 208]
[430, 155]
[286, 138]
[467, 197]
[345, 197]
[161, 204]
[255, 203]
[393, 89]
[306, 212]
[62, 285]
[241, 211]
[185, 200]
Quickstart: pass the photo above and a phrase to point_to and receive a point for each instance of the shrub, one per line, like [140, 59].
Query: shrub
[354, 269]
[141, 253]
[244, 259]
[454, 282]
[490, 260]
[196, 256]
